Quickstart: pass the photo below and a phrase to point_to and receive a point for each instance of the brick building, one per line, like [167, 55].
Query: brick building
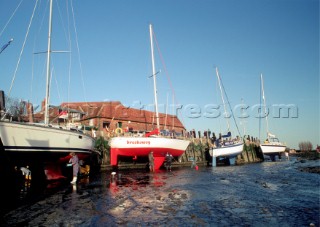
[108, 117]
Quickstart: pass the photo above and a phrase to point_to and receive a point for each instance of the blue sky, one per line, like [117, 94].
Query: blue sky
[243, 38]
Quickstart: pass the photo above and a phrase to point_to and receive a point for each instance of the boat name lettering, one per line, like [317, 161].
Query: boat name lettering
[138, 142]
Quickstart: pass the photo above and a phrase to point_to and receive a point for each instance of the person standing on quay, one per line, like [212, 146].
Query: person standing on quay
[287, 155]
[151, 161]
[74, 160]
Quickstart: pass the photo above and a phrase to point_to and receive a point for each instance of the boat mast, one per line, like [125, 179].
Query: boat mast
[154, 75]
[224, 105]
[46, 113]
[243, 122]
[265, 106]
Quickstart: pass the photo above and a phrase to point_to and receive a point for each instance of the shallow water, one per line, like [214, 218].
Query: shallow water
[263, 194]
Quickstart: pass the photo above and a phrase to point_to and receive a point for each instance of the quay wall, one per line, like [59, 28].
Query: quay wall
[197, 152]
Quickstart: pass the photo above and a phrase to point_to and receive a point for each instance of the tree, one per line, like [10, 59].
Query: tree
[305, 146]
[104, 148]
[15, 108]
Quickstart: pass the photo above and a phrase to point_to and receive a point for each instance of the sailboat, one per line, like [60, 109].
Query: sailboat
[37, 145]
[271, 146]
[142, 146]
[225, 146]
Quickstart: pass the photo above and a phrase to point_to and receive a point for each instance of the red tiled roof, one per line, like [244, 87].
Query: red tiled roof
[115, 110]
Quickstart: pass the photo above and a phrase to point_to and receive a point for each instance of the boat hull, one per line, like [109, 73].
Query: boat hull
[34, 138]
[272, 149]
[228, 151]
[35, 145]
[142, 146]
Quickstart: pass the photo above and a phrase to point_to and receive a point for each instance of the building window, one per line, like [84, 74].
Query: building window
[75, 116]
[106, 125]
[119, 124]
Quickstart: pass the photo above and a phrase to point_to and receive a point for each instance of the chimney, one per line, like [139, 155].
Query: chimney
[30, 112]
[43, 105]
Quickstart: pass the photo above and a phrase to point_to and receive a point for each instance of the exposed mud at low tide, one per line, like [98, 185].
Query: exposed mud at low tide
[264, 194]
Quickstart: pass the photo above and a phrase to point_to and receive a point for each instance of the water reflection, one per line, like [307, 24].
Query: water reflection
[141, 179]
[133, 181]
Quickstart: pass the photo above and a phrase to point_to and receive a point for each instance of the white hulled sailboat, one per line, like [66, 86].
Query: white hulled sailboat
[42, 143]
[225, 146]
[271, 146]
